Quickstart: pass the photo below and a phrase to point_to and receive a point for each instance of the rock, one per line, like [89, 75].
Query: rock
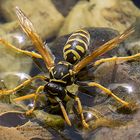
[51, 120]
[24, 130]
[11, 65]
[64, 9]
[115, 14]
[33, 130]
[11, 134]
[43, 14]
[128, 132]
[132, 45]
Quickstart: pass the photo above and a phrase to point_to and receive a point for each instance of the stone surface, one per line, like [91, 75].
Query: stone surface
[26, 131]
[43, 14]
[116, 14]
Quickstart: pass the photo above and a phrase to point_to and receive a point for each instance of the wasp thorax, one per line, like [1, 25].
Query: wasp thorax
[62, 73]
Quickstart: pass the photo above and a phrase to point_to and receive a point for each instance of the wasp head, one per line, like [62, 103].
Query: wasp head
[62, 73]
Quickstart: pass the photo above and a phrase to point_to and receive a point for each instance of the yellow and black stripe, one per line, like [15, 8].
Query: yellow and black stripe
[76, 46]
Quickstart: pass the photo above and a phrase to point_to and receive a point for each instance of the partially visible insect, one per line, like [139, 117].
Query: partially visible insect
[64, 73]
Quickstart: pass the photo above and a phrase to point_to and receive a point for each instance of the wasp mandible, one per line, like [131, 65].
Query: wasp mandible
[63, 73]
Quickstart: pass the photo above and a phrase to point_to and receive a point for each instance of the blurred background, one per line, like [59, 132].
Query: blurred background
[53, 19]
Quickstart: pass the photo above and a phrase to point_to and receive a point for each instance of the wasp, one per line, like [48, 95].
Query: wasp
[64, 73]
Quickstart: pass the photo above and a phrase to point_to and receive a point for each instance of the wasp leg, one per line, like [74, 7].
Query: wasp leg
[63, 111]
[8, 45]
[25, 83]
[40, 88]
[118, 59]
[80, 110]
[26, 97]
[98, 62]
[107, 91]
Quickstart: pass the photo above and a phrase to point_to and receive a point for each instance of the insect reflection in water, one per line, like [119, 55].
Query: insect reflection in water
[64, 73]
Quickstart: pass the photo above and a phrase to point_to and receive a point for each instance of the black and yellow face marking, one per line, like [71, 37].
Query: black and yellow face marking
[76, 47]
[61, 73]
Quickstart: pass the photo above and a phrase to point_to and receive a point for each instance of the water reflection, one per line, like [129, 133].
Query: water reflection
[12, 79]
[129, 88]
[13, 119]
[89, 115]
[19, 37]
[20, 75]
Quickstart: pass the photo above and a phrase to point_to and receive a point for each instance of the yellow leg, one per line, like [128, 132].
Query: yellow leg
[81, 112]
[100, 61]
[117, 59]
[107, 91]
[10, 91]
[63, 111]
[26, 97]
[8, 45]
[35, 100]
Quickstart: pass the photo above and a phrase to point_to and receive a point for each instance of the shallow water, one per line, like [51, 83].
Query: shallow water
[105, 116]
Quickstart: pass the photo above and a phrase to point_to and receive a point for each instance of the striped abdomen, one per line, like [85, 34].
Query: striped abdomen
[76, 47]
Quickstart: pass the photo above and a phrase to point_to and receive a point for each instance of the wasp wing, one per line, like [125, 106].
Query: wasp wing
[28, 28]
[103, 49]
